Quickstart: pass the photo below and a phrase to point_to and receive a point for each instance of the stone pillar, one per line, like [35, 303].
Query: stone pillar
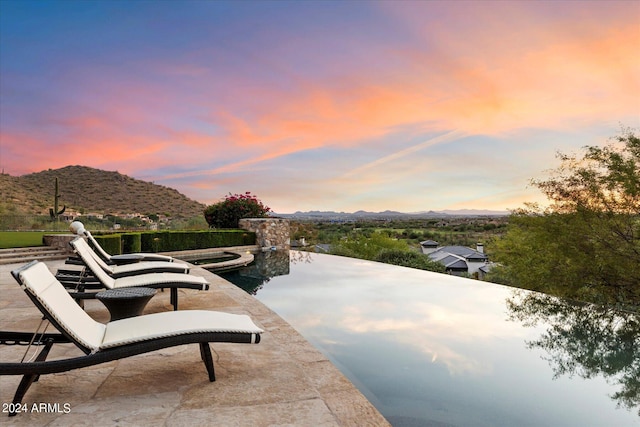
[270, 232]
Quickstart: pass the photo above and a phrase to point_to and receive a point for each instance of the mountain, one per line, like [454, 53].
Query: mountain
[468, 212]
[89, 190]
[387, 215]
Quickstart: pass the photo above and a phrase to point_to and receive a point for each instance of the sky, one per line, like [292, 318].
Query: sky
[318, 105]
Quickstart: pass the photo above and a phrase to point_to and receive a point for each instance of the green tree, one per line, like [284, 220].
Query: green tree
[381, 248]
[227, 213]
[367, 247]
[586, 244]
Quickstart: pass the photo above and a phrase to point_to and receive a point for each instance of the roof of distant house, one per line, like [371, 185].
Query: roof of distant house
[453, 262]
[322, 247]
[462, 251]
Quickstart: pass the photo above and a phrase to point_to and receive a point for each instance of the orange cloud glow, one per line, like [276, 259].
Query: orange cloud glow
[367, 111]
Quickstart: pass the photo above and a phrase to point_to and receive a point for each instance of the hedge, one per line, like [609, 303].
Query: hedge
[110, 243]
[167, 241]
[131, 243]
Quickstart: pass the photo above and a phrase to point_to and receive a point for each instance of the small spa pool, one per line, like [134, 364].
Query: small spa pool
[429, 349]
[216, 258]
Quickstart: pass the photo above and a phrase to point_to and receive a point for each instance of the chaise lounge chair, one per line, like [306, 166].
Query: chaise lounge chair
[173, 281]
[77, 227]
[115, 340]
[82, 248]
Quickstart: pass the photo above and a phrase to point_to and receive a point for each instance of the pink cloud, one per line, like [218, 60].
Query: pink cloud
[475, 69]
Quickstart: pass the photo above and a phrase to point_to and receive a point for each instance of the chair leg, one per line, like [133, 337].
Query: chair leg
[174, 298]
[29, 379]
[205, 354]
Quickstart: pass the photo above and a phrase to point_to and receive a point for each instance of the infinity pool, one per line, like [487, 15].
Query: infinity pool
[429, 349]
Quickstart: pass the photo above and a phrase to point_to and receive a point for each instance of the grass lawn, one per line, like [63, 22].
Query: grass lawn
[21, 239]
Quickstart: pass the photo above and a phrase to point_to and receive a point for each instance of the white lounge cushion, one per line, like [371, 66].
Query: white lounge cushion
[148, 279]
[142, 267]
[82, 248]
[166, 324]
[40, 282]
[88, 254]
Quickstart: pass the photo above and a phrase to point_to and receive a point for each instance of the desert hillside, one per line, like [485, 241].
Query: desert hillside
[89, 190]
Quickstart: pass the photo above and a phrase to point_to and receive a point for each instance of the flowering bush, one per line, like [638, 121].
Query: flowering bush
[227, 213]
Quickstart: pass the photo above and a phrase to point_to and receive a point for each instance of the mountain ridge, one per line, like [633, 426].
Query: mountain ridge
[388, 214]
[89, 190]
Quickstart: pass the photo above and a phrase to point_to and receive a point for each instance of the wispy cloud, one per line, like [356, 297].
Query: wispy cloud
[442, 139]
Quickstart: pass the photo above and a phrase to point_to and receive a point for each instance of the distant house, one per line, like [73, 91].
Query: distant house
[299, 243]
[323, 248]
[458, 260]
[69, 215]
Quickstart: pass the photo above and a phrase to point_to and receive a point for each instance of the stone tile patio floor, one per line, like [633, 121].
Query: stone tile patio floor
[282, 381]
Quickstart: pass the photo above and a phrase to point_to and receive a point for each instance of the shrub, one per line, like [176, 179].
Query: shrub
[227, 213]
[384, 249]
[368, 247]
[411, 259]
[111, 243]
[131, 243]
[165, 241]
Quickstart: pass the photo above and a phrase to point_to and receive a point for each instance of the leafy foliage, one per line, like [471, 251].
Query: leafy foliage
[410, 259]
[378, 247]
[367, 247]
[586, 244]
[606, 179]
[227, 213]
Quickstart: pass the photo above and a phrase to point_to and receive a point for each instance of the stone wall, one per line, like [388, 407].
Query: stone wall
[59, 241]
[270, 232]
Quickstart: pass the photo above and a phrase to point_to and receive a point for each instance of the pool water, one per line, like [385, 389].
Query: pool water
[430, 349]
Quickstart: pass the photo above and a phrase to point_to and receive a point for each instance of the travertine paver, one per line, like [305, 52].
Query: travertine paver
[281, 381]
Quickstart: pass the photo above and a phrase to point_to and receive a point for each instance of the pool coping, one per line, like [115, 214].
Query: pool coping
[245, 257]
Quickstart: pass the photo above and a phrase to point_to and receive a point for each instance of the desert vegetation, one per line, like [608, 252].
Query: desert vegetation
[586, 244]
[88, 190]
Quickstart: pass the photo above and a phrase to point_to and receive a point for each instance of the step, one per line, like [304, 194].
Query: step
[29, 249]
[24, 255]
[24, 260]
[31, 253]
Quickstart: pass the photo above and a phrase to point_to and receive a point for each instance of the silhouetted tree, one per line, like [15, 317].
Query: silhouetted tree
[586, 340]
[586, 244]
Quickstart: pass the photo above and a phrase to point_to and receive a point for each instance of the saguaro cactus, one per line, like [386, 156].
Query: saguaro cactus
[54, 211]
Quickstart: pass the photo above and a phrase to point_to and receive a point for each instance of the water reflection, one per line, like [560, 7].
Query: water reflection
[266, 265]
[585, 340]
[297, 257]
[433, 349]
